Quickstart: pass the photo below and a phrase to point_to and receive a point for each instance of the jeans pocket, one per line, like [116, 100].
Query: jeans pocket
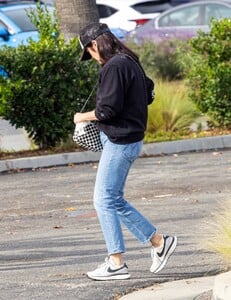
[132, 151]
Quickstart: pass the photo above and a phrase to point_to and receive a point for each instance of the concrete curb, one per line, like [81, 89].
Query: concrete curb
[46, 161]
[198, 144]
[190, 145]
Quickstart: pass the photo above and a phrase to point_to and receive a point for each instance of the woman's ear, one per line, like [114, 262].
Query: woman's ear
[94, 44]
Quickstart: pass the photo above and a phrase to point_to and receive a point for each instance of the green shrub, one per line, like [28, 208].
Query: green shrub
[172, 113]
[146, 53]
[47, 84]
[209, 72]
[160, 60]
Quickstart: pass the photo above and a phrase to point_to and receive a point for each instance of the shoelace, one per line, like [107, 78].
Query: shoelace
[154, 254]
[105, 264]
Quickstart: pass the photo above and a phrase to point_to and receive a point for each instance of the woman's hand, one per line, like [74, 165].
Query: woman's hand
[84, 117]
[78, 118]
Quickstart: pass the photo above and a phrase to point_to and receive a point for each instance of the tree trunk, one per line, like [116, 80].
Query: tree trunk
[75, 14]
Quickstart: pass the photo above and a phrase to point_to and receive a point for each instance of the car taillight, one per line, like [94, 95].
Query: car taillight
[140, 21]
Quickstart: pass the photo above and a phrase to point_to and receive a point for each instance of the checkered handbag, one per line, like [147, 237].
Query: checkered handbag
[87, 135]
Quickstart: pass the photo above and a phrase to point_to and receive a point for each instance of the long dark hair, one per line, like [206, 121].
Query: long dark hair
[109, 45]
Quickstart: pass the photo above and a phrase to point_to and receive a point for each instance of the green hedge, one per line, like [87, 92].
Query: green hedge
[208, 71]
[161, 60]
[46, 85]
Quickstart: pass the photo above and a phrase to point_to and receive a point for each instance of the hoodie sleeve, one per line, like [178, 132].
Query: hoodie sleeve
[111, 93]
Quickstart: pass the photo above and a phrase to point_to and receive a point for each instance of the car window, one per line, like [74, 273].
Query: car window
[188, 16]
[105, 11]
[216, 11]
[21, 19]
[151, 6]
[3, 24]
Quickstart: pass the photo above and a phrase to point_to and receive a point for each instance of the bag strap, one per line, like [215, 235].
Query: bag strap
[88, 98]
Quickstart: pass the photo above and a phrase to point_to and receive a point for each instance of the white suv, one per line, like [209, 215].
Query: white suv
[127, 14]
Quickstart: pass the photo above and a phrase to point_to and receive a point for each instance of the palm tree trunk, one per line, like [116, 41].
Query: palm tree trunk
[75, 14]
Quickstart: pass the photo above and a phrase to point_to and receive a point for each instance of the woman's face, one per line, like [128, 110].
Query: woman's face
[93, 51]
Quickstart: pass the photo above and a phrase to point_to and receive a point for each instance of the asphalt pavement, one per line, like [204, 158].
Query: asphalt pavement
[50, 236]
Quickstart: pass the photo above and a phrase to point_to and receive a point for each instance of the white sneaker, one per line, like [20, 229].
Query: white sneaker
[108, 271]
[159, 260]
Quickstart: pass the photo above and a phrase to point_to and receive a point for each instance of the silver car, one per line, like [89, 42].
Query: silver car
[182, 22]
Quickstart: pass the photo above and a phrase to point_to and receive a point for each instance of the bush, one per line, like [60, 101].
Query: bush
[209, 72]
[46, 85]
[160, 60]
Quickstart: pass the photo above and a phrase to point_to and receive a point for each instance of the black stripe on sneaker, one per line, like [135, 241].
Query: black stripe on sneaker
[109, 270]
[170, 246]
[162, 252]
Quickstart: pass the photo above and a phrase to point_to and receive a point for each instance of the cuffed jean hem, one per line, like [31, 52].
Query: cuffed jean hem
[116, 252]
[149, 239]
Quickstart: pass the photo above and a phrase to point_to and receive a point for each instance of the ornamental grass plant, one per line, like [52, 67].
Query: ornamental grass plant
[172, 113]
[220, 240]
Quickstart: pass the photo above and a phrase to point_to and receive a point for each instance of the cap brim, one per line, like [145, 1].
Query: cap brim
[85, 55]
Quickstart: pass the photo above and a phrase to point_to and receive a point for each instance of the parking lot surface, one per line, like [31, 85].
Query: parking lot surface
[50, 236]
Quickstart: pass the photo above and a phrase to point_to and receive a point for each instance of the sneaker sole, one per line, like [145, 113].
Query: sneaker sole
[170, 252]
[114, 277]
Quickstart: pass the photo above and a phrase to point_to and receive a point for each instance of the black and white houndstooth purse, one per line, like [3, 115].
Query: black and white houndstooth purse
[86, 134]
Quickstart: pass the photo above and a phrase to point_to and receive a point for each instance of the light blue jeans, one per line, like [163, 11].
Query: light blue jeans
[109, 202]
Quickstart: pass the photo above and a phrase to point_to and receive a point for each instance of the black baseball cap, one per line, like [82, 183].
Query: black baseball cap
[88, 34]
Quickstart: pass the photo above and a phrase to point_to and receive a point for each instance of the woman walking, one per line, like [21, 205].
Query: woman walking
[121, 116]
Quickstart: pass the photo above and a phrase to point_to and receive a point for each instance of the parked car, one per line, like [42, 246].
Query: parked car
[130, 13]
[13, 2]
[3, 72]
[182, 22]
[15, 25]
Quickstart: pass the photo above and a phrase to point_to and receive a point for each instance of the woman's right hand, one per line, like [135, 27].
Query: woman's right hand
[85, 117]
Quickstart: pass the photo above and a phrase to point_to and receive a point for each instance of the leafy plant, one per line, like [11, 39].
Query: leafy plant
[209, 72]
[146, 53]
[160, 60]
[166, 59]
[46, 85]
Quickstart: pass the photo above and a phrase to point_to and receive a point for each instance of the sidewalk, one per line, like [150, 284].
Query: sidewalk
[201, 288]
[13, 139]
[187, 289]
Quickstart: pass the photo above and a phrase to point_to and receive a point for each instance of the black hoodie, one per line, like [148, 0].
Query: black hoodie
[121, 100]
